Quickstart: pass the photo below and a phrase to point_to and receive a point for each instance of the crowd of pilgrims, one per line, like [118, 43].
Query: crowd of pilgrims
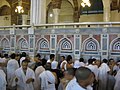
[20, 72]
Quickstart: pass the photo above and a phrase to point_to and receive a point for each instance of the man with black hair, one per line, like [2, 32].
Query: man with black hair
[38, 61]
[93, 68]
[23, 56]
[69, 62]
[52, 57]
[3, 63]
[47, 79]
[12, 66]
[84, 78]
[82, 64]
[62, 65]
[24, 77]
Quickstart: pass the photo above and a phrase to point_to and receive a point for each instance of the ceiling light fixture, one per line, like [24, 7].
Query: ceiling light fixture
[85, 3]
[19, 8]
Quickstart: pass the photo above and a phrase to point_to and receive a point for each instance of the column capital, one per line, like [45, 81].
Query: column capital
[38, 12]
[106, 8]
[56, 3]
[56, 12]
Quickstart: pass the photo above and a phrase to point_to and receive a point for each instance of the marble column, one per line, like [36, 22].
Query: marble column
[56, 12]
[38, 12]
[31, 42]
[106, 15]
[24, 19]
[12, 40]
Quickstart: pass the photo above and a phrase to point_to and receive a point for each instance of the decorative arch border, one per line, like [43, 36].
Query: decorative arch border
[39, 41]
[90, 39]
[62, 41]
[5, 3]
[20, 45]
[6, 39]
[115, 41]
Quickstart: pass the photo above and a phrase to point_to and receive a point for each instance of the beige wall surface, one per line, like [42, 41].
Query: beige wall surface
[115, 16]
[5, 20]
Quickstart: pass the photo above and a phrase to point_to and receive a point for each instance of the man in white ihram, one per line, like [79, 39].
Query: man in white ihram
[47, 79]
[117, 83]
[103, 75]
[24, 77]
[82, 80]
[12, 66]
[3, 82]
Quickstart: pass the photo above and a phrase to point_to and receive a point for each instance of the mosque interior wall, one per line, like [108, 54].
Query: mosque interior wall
[81, 42]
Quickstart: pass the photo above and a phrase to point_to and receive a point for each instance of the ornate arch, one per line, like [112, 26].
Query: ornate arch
[22, 44]
[42, 43]
[90, 44]
[5, 2]
[5, 10]
[65, 44]
[115, 45]
[5, 43]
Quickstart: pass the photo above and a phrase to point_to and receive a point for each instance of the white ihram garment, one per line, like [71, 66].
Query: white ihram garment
[12, 66]
[54, 64]
[47, 80]
[38, 71]
[103, 76]
[117, 83]
[3, 82]
[22, 78]
[94, 69]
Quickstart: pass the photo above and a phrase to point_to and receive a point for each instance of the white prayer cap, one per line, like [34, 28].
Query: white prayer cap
[23, 58]
[54, 65]
[76, 64]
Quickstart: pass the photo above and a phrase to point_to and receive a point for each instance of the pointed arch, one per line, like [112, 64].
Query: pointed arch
[65, 44]
[5, 10]
[42, 43]
[22, 44]
[115, 45]
[90, 44]
[5, 43]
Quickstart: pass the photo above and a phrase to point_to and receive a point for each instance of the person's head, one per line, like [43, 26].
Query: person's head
[23, 54]
[17, 57]
[52, 57]
[69, 74]
[97, 62]
[94, 60]
[90, 61]
[62, 58]
[84, 76]
[12, 56]
[81, 60]
[24, 64]
[111, 61]
[48, 66]
[5, 55]
[44, 61]
[105, 61]
[38, 55]
[69, 59]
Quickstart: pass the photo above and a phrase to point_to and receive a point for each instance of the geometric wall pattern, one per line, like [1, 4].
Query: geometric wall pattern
[85, 42]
